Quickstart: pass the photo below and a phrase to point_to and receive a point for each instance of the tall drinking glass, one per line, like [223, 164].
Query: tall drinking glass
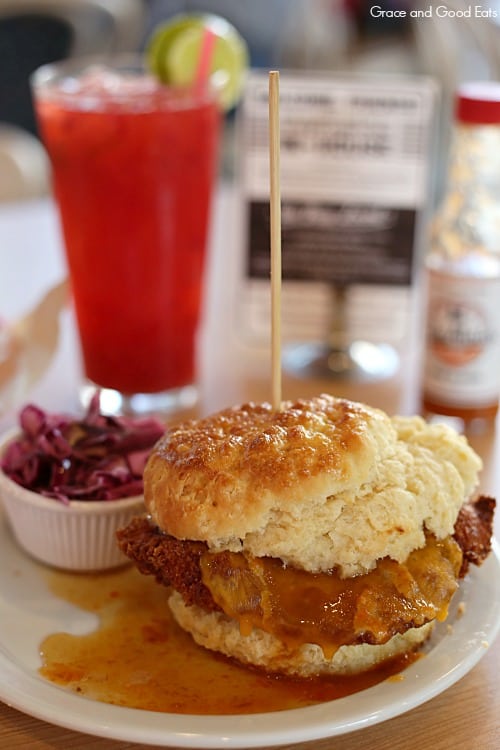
[133, 167]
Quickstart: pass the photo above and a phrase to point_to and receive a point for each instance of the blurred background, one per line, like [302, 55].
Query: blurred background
[450, 41]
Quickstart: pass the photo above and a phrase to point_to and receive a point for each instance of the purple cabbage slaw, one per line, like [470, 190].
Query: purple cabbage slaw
[98, 457]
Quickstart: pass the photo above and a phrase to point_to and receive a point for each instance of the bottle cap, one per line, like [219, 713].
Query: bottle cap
[478, 102]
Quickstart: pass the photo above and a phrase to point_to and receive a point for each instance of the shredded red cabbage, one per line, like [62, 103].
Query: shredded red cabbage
[99, 457]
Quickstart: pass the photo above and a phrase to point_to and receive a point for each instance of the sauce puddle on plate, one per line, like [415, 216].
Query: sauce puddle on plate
[138, 657]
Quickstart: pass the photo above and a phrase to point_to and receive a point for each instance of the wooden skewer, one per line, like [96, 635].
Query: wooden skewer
[275, 217]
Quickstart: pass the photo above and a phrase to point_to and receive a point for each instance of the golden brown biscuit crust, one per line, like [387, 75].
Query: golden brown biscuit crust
[221, 477]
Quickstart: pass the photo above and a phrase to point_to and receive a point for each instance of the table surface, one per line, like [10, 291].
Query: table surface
[464, 716]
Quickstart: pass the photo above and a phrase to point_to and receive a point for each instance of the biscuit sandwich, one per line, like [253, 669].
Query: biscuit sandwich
[324, 538]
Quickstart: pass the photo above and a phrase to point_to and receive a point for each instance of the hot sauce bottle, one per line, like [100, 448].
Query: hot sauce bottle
[461, 364]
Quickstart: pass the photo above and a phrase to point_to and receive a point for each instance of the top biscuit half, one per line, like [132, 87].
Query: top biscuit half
[323, 483]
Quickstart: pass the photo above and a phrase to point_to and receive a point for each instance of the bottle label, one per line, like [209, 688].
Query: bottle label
[462, 362]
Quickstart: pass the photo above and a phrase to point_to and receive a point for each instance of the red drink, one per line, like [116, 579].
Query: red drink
[133, 167]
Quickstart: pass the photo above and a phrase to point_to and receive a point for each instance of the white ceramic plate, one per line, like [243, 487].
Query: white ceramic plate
[28, 612]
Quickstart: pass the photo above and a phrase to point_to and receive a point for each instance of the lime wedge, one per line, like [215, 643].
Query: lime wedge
[161, 40]
[174, 49]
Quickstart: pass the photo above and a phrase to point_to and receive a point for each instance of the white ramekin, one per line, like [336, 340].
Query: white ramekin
[79, 536]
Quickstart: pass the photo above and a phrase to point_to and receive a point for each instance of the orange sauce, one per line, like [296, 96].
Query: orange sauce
[138, 657]
[323, 608]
